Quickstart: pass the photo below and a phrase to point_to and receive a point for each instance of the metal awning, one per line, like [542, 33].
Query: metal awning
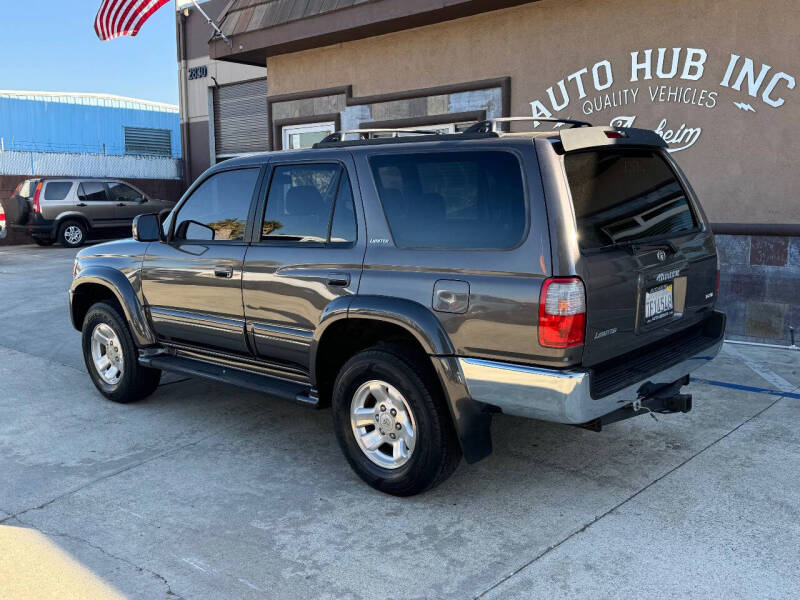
[261, 28]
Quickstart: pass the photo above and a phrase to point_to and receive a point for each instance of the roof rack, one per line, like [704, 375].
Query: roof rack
[491, 125]
[338, 136]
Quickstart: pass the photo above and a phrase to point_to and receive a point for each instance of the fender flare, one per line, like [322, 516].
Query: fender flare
[470, 418]
[122, 289]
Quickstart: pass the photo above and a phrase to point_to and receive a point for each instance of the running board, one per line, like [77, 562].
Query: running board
[271, 386]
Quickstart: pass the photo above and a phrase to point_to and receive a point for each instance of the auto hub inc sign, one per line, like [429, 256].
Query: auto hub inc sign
[665, 83]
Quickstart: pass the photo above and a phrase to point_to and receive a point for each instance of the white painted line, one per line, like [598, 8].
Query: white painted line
[773, 378]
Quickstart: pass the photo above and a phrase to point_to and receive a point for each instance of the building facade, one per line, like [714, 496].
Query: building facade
[716, 79]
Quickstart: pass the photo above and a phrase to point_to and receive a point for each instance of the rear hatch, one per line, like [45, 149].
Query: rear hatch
[647, 258]
[18, 207]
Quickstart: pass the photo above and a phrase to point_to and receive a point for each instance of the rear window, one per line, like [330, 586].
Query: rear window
[454, 200]
[57, 190]
[626, 195]
[26, 188]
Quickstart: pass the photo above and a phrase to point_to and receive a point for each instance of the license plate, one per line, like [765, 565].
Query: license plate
[658, 303]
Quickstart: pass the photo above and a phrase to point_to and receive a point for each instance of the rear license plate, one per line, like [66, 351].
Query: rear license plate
[658, 303]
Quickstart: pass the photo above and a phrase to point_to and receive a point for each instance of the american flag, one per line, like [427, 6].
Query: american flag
[123, 17]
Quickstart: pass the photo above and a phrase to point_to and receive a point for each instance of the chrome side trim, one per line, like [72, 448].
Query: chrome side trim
[194, 319]
[560, 396]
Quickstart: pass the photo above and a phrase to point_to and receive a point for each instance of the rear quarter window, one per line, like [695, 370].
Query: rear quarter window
[452, 200]
[57, 190]
[626, 195]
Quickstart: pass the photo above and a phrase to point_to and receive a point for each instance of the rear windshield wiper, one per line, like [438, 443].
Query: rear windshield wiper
[635, 246]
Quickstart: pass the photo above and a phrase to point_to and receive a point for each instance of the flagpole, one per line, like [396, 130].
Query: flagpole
[213, 24]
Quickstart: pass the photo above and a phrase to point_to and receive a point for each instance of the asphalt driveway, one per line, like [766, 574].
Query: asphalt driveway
[207, 491]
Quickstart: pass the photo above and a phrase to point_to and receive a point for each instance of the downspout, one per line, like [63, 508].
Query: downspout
[184, 104]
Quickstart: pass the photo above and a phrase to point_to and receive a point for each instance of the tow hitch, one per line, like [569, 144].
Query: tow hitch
[665, 400]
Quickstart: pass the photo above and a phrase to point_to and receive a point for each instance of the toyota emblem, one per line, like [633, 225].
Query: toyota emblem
[661, 255]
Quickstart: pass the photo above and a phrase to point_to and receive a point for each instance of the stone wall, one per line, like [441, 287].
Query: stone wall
[760, 286]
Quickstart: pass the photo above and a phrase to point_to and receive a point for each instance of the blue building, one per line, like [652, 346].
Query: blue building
[53, 133]
[86, 123]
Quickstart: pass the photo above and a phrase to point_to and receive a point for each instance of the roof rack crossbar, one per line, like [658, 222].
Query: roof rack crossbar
[338, 136]
[492, 125]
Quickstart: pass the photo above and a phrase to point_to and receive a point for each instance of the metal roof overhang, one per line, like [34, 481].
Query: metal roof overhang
[361, 20]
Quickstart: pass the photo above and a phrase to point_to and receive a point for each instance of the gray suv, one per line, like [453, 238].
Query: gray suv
[69, 210]
[418, 286]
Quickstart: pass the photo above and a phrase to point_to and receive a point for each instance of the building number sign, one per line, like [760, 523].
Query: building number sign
[198, 72]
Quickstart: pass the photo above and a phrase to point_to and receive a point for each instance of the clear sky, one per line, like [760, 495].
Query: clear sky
[51, 45]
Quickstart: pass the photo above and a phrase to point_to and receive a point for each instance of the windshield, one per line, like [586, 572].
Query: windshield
[624, 196]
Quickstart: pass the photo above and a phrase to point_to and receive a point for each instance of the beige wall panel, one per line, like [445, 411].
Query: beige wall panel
[741, 163]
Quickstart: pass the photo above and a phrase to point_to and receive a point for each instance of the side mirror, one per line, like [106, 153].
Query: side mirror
[146, 228]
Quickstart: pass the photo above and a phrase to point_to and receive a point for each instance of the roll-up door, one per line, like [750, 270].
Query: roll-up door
[240, 118]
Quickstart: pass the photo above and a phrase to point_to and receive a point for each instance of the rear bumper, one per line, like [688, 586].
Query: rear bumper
[39, 229]
[565, 396]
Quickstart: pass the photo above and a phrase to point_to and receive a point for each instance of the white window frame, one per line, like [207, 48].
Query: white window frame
[289, 130]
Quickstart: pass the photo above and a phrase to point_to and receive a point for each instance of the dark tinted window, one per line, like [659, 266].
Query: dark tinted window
[123, 193]
[217, 210]
[300, 202]
[452, 199]
[57, 190]
[343, 223]
[622, 195]
[93, 191]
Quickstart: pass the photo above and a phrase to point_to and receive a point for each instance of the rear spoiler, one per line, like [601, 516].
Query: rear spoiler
[581, 138]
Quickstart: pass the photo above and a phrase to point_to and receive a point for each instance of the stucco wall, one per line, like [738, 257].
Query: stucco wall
[741, 162]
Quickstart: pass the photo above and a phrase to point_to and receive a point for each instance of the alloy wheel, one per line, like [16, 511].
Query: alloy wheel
[383, 424]
[107, 354]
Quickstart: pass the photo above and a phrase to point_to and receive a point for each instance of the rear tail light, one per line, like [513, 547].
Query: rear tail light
[716, 289]
[562, 313]
[37, 208]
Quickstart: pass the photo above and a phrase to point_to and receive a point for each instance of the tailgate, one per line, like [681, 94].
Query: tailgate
[649, 264]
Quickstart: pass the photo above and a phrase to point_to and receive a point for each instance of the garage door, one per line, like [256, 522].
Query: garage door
[240, 118]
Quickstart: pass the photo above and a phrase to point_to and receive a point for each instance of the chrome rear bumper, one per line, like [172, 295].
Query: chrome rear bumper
[563, 396]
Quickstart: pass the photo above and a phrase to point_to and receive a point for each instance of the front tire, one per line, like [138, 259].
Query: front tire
[72, 234]
[112, 359]
[392, 423]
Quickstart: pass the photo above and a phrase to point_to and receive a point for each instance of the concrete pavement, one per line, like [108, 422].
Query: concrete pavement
[208, 491]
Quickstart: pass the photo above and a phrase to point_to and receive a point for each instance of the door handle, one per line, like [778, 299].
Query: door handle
[121, 204]
[223, 271]
[81, 204]
[339, 279]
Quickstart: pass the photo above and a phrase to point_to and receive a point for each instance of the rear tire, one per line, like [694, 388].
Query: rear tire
[384, 398]
[111, 357]
[72, 234]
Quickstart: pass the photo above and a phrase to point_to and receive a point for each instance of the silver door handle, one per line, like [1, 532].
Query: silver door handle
[223, 271]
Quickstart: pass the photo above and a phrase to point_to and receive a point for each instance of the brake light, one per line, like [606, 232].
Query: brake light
[37, 208]
[562, 313]
[616, 134]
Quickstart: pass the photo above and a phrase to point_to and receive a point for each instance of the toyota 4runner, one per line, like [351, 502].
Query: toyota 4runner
[418, 285]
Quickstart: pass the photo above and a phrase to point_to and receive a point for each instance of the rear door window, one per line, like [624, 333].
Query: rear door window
[300, 203]
[93, 191]
[57, 190]
[452, 200]
[626, 196]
